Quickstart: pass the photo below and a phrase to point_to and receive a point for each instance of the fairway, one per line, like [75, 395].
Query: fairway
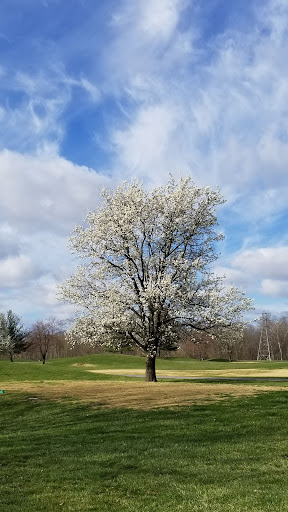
[81, 441]
[112, 380]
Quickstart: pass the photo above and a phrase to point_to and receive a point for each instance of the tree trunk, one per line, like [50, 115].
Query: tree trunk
[11, 357]
[150, 368]
[43, 358]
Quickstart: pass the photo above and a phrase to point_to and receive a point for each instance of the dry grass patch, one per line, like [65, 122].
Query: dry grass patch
[134, 395]
[85, 365]
[235, 372]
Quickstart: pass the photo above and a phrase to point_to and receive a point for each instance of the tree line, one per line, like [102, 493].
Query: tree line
[201, 346]
[43, 338]
[47, 339]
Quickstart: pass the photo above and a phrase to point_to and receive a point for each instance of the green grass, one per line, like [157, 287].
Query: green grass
[229, 456]
[224, 457]
[62, 369]
[65, 369]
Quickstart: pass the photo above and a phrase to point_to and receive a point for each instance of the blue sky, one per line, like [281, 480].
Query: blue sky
[92, 93]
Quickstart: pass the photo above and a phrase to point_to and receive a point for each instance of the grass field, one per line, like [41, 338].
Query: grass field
[76, 440]
[98, 367]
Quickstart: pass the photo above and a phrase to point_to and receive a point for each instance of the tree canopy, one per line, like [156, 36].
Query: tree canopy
[13, 337]
[146, 270]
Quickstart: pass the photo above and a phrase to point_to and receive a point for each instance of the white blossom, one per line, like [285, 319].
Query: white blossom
[146, 268]
[5, 338]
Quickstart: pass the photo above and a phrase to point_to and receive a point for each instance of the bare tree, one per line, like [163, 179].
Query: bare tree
[44, 336]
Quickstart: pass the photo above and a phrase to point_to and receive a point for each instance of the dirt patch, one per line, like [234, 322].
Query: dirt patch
[134, 395]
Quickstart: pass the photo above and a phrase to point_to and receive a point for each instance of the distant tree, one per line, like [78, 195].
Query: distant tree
[278, 334]
[13, 337]
[44, 335]
[145, 272]
[228, 340]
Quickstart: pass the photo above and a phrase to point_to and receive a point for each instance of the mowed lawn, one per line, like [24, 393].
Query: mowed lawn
[222, 450]
[86, 368]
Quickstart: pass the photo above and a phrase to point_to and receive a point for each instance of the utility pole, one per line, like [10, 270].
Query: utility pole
[264, 349]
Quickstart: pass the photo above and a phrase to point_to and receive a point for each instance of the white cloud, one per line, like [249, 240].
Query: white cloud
[42, 197]
[43, 295]
[9, 244]
[263, 271]
[267, 262]
[140, 148]
[34, 116]
[37, 299]
[159, 18]
[154, 19]
[16, 270]
[145, 42]
[46, 193]
[274, 288]
[223, 117]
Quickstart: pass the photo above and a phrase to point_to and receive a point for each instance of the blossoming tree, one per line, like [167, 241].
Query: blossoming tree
[13, 337]
[146, 270]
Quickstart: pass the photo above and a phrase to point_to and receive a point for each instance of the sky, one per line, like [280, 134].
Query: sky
[93, 93]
